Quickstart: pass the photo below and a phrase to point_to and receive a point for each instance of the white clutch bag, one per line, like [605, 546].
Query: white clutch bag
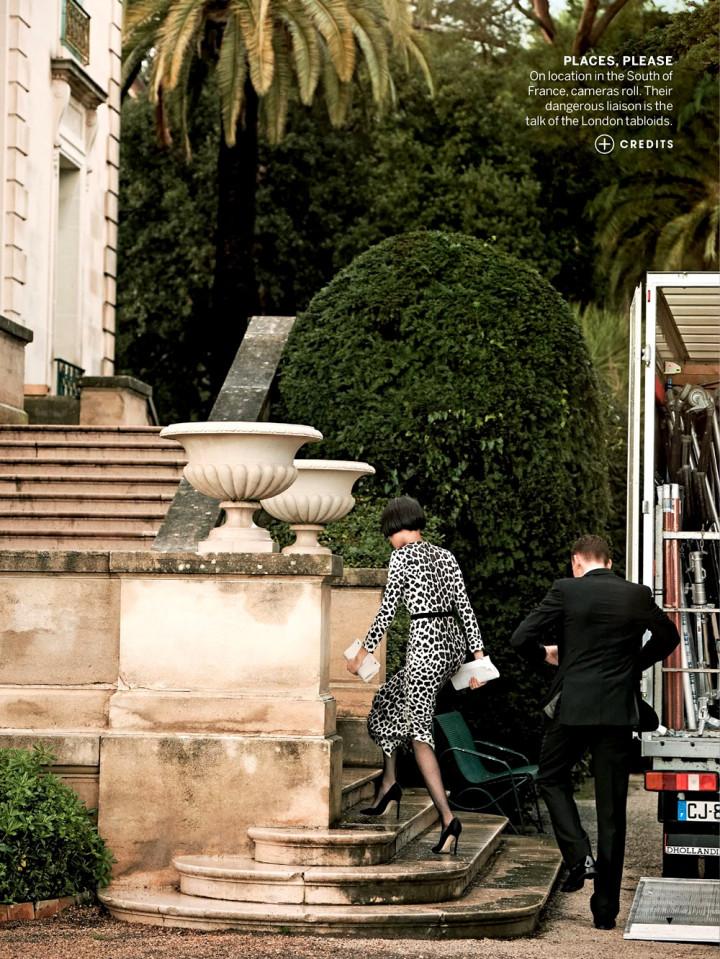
[482, 669]
[370, 665]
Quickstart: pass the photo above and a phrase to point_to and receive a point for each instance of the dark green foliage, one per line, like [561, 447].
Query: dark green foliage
[461, 161]
[49, 846]
[166, 259]
[462, 376]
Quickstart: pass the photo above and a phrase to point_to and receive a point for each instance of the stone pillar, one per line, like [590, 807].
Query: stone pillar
[13, 340]
[355, 601]
[223, 716]
[114, 401]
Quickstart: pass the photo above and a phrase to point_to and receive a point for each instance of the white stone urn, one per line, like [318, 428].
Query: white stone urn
[321, 493]
[240, 463]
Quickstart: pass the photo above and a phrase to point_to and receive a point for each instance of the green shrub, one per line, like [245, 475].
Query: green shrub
[462, 376]
[49, 846]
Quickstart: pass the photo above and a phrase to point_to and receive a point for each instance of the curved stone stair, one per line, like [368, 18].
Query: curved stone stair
[364, 878]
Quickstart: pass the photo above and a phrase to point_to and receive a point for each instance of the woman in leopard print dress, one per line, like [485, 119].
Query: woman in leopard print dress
[428, 581]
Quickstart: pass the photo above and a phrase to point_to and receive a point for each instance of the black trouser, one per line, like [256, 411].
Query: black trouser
[610, 748]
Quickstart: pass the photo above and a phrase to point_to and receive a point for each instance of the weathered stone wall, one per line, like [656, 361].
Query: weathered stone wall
[13, 341]
[187, 696]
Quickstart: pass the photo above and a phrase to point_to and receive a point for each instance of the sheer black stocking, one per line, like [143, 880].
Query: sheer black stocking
[430, 769]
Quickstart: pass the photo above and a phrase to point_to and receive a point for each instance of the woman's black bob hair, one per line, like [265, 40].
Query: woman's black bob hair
[403, 512]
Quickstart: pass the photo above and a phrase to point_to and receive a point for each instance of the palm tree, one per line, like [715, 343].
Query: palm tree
[606, 335]
[668, 217]
[262, 53]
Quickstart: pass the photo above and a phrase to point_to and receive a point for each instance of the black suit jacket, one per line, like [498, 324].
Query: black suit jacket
[598, 621]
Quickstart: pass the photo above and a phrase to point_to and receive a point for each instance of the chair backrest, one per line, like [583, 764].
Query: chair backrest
[458, 736]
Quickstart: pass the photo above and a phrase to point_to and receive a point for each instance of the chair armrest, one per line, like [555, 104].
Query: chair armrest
[503, 749]
[474, 752]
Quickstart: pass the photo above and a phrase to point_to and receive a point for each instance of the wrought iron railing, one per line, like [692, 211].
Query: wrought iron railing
[68, 378]
[76, 30]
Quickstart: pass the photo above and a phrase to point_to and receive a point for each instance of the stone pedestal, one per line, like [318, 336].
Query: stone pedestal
[223, 716]
[13, 340]
[114, 401]
[187, 696]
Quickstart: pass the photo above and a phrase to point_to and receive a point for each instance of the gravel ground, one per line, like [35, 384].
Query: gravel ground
[565, 932]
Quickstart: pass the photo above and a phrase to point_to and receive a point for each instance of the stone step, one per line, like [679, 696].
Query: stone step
[77, 522]
[357, 841]
[415, 875]
[167, 467]
[97, 484]
[505, 901]
[86, 540]
[358, 785]
[70, 503]
[85, 434]
[13, 450]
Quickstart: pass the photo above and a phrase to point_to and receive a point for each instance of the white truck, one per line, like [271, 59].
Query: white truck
[673, 546]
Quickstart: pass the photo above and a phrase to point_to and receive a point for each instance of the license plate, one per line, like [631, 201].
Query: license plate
[698, 810]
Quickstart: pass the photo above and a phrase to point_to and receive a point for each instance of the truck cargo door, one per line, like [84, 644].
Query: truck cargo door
[634, 477]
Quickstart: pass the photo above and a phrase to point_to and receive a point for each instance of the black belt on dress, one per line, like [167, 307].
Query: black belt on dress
[442, 614]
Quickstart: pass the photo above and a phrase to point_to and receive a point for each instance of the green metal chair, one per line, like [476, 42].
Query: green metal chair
[483, 779]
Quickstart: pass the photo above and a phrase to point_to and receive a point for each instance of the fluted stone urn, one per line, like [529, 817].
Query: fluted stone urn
[321, 493]
[240, 463]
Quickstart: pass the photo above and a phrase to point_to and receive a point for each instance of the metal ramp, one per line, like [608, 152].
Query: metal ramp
[675, 910]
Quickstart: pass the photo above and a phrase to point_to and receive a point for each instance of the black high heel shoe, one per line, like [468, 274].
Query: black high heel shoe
[394, 793]
[447, 835]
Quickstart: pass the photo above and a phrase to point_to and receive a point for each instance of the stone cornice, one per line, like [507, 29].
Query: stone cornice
[82, 87]
[15, 329]
[146, 562]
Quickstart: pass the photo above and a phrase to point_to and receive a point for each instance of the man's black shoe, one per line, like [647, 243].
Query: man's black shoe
[578, 874]
[602, 922]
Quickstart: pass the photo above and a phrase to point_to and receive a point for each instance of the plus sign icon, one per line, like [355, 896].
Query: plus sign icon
[604, 143]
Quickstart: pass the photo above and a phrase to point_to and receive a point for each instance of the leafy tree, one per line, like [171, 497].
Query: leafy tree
[166, 255]
[463, 160]
[260, 54]
[665, 215]
[491, 26]
[590, 19]
[462, 376]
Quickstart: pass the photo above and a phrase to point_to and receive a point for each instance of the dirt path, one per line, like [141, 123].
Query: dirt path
[566, 931]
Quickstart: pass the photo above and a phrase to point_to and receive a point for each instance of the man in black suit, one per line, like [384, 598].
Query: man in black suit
[597, 622]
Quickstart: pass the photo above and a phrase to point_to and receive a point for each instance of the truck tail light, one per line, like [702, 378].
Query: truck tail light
[681, 782]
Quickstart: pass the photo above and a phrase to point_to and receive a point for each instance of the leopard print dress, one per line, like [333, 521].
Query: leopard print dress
[426, 579]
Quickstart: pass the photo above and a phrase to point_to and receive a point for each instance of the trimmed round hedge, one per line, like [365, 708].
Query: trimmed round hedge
[462, 376]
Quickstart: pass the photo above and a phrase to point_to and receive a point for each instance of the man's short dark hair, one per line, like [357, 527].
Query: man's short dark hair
[403, 512]
[594, 547]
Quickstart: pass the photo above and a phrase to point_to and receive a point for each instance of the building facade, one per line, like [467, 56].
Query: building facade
[60, 86]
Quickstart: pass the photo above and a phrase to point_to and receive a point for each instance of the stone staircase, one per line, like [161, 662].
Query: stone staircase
[364, 877]
[85, 488]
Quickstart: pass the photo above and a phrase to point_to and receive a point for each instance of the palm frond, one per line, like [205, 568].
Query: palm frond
[371, 41]
[180, 27]
[257, 27]
[416, 51]
[331, 19]
[337, 94]
[138, 13]
[305, 49]
[275, 102]
[231, 73]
